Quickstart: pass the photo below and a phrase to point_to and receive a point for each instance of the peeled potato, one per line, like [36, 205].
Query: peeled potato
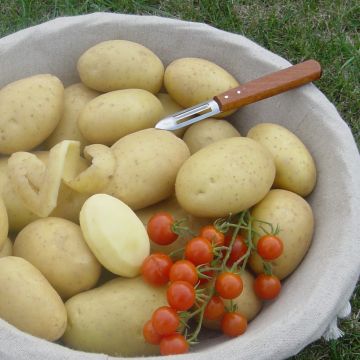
[115, 234]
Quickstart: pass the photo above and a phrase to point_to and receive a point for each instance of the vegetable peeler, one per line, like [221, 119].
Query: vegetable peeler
[248, 93]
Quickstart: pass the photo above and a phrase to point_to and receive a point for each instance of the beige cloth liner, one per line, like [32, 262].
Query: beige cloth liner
[323, 283]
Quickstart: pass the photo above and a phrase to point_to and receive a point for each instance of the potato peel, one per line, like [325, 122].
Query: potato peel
[97, 175]
[38, 185]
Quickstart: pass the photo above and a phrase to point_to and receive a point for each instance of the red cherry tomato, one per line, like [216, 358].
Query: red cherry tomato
[155, 269]
[199, 251]
[160, 230]
[215, 308]
[267, 287]
[270, 247]
[181, 295]
[229, 285]
[238, 250]
[150, 335]
[233, 324]
[165, 320]
[211, 233]
[173, 344]
[184, 270]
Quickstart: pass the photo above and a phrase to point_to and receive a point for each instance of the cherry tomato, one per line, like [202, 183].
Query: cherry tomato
[150, 335]
[211, 233]
[165, 320]
[270, 247]
[229, 285]
[238, 250]
[155, 269]
[173, 344]
[267, 287]
[181, 295]
[184, 270]
[215, 308]
[160, 230]
[199, 251]
[233, 324]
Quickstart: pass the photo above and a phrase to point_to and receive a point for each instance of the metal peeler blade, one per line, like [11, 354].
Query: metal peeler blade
[189, 116]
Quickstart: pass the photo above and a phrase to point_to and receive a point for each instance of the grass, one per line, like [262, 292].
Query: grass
[327, 30]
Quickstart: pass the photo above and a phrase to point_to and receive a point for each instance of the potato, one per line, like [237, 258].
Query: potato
[114, 234]
[110, 319]
[57, 248]
[190, 81]
[172, 206]
[28, 301]
[30, 109]
[109, 117]
[6, 249]
[68, 207]
[76, 96]
[248, 304]
[171, 107]
[206, 132]
[295, 167]
[120, 64]
[228, 176]
[4, 223]
[146, 166]
[295, 219]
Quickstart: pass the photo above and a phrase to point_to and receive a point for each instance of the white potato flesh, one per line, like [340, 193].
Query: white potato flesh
[115, 235]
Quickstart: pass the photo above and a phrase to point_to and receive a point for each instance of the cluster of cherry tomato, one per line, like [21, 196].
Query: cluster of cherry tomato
[211, 257]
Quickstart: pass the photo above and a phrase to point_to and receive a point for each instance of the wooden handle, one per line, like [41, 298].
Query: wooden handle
[269, 85]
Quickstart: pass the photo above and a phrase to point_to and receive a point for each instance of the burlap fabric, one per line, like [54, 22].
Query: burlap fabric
[323, 283]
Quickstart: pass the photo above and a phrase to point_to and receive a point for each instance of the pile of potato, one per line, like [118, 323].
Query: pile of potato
[83, 170]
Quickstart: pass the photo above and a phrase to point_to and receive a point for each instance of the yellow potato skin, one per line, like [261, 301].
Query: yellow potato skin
[30, 109]
[57, 248]
[69, 201]
[295, 167]
[295, 219]
[6, 249]
[110, 319]
[206, 132]
[147, 162]
[248, 304]
[190, 81]
[4, 223]
[28, 301]
[110, 116]
[228, 176]
[172, 206]
[120, 64]
[76, 96]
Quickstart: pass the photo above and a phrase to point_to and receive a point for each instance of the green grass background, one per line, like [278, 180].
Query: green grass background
[326, 30]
